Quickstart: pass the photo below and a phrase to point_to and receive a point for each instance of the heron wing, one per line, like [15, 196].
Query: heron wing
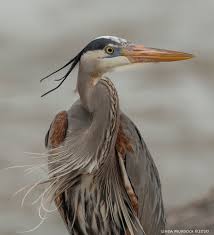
[136, 164]
[144, 178]
[64, 122]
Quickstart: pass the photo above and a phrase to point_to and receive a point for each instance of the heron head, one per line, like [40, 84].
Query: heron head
[105, 53]
[108, 52]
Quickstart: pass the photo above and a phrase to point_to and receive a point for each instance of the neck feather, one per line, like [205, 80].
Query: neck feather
[101, 100]
[111, 121]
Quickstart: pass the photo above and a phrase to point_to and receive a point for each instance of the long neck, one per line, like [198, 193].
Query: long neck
[101, 100]
[111, 126]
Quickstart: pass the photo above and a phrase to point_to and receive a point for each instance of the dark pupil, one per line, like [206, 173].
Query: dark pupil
[109, 50]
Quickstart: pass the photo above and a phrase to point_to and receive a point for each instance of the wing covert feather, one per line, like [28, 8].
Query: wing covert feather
[144, 179]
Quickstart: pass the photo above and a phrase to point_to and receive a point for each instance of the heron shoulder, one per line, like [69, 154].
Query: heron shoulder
[57, 131]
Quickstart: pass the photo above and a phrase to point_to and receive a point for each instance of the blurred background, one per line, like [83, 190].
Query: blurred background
[172, 104]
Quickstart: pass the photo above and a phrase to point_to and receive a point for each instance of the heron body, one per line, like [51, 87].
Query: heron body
[103, 177]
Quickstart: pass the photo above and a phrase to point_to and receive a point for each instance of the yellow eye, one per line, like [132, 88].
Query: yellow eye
[109, 50]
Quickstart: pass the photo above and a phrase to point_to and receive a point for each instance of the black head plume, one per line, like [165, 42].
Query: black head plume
[96, 44]
[73, 62]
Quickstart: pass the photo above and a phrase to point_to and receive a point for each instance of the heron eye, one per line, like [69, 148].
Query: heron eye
[109, 50]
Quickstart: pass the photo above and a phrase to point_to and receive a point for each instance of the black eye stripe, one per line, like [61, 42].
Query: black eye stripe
[99, 44]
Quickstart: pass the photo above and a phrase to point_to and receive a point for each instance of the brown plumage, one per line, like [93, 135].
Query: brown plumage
[58, 130]
[123, 144]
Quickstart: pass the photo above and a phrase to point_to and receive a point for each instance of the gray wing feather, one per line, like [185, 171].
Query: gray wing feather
[145, 180]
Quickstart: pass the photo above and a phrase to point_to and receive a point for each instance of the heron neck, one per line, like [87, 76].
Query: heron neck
[102, 102]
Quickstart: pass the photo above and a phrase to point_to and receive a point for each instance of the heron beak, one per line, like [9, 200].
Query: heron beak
[140, 54]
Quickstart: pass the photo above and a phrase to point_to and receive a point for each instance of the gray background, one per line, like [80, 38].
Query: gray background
[172, 104]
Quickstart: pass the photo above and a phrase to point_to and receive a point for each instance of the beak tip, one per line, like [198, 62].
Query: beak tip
[190, 56]
[193, 56]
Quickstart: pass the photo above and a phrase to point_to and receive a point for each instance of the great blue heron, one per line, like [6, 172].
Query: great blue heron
[103, 176]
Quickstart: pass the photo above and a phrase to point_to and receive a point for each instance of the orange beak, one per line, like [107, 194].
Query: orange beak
[140, 54]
